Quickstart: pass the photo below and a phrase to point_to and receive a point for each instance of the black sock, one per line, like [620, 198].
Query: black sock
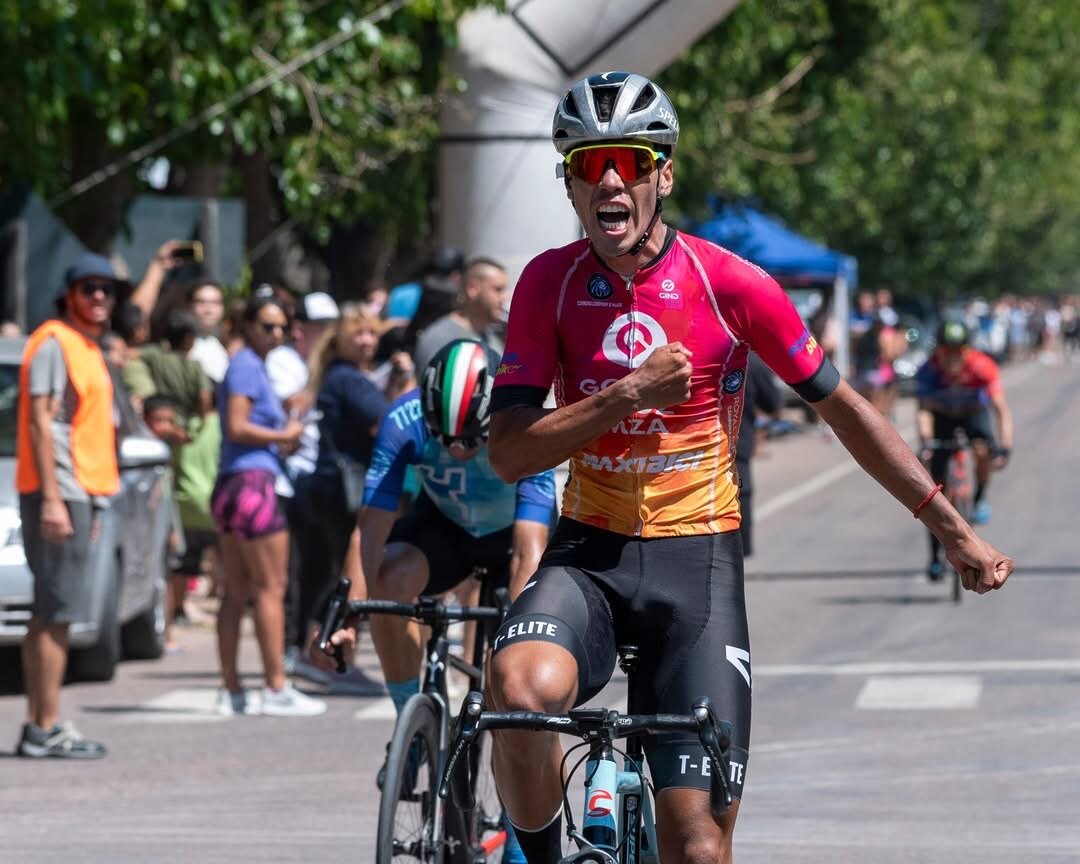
[979, 489]
[543, 846]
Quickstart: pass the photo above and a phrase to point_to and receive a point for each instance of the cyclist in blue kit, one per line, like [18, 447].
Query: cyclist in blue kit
[464, 517]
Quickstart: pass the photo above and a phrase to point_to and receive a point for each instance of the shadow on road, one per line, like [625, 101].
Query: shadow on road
[1053, 570]
[198, 674]
[145, 709]
[887, 600]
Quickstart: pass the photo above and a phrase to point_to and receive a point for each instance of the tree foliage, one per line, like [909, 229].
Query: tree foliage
[349, 135]
[935, 141]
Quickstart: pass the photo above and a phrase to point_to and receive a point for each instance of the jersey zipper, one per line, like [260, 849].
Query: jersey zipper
[632, 347]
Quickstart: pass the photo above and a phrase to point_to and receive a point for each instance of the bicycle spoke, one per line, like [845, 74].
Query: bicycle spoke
[414, 808]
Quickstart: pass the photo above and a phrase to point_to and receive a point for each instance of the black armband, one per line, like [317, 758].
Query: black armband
[517, 394]
[819, 385]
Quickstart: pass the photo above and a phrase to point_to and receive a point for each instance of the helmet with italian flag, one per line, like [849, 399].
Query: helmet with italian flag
[455, 391]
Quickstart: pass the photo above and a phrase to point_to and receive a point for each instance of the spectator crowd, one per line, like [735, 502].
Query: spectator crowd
[271, 404]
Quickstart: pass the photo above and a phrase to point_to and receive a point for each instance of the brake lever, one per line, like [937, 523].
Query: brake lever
[716, 740]
[332, 621]
[466, 734]
[502, 602]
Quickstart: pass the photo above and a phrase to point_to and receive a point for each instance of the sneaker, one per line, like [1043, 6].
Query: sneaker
[380, 776]
[229, 703]
[304, 668]
[982, 513]
[63, 741]
[290, 702]
[935, 571]
[412, 770]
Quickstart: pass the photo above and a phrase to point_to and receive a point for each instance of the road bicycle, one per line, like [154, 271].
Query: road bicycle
[414, 823]
[617, 826]
[959, 489]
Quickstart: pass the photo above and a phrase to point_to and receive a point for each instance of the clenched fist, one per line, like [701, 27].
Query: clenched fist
[664, 378]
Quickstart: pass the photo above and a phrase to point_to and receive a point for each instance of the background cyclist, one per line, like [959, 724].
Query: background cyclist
[957, 388]
[644, 333]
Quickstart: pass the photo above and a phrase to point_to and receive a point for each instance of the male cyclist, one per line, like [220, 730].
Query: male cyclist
[957, 387]
[465, 517]
[644, 332]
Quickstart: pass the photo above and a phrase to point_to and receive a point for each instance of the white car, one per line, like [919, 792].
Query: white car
[130, 569]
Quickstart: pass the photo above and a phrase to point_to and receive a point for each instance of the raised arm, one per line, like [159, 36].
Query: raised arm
[147, 292]
[884, 455]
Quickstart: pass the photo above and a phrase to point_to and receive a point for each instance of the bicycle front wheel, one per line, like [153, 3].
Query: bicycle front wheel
[485, 819]
[410, 788]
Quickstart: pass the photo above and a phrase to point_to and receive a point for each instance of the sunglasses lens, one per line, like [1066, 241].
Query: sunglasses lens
[90, 287]
[632, 163]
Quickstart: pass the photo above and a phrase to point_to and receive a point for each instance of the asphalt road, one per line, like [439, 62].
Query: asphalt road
[889, 725]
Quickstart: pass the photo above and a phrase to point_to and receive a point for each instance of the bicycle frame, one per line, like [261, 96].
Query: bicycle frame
[437, 616]
[614, 803]
[615, 800]
[957, 485]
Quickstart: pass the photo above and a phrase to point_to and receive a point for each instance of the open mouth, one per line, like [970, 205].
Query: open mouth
[613, 218]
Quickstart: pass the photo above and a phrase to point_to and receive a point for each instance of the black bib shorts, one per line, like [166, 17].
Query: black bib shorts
[680, 600]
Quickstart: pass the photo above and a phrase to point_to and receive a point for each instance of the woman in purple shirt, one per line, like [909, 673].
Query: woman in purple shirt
[254, 539]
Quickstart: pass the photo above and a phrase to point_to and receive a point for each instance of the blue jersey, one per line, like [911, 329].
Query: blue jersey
[470, 494]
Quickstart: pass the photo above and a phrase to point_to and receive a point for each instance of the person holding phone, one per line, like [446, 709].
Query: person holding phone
[169, 255]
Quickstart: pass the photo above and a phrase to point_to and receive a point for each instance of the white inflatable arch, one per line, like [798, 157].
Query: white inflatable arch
[498, 191]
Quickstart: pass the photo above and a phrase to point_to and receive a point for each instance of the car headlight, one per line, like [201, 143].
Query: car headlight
[10, 527]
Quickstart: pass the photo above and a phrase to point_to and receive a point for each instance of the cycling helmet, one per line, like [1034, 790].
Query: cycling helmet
[953, 333]
[456, 392]
[613, 106]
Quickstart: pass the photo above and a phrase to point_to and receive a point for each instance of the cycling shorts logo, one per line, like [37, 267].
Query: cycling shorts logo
[631, 338]
[599, 288]
[733, 381]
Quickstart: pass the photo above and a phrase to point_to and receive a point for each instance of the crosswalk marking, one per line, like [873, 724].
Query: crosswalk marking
[188, 705]
[919, 692]
[934, 667]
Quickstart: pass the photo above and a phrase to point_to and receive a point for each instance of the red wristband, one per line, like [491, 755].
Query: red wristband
[927, 500]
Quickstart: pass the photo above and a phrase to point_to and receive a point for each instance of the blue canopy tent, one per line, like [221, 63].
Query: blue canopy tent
[785, 255]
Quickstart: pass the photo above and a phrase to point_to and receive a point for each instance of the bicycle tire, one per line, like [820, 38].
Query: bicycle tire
[406, 828]
[485, 828]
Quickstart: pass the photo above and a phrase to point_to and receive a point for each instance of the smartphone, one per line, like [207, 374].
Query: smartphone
[189, 251]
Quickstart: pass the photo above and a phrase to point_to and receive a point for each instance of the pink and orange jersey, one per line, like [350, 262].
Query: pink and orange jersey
[579, 326]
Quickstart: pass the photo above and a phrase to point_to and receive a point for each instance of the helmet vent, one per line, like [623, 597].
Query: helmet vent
[604, 98]
[570, 106]
[644, 99]
[657, 126]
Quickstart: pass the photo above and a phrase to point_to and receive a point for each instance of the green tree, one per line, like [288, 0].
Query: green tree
[347, 137]
[933, 140]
